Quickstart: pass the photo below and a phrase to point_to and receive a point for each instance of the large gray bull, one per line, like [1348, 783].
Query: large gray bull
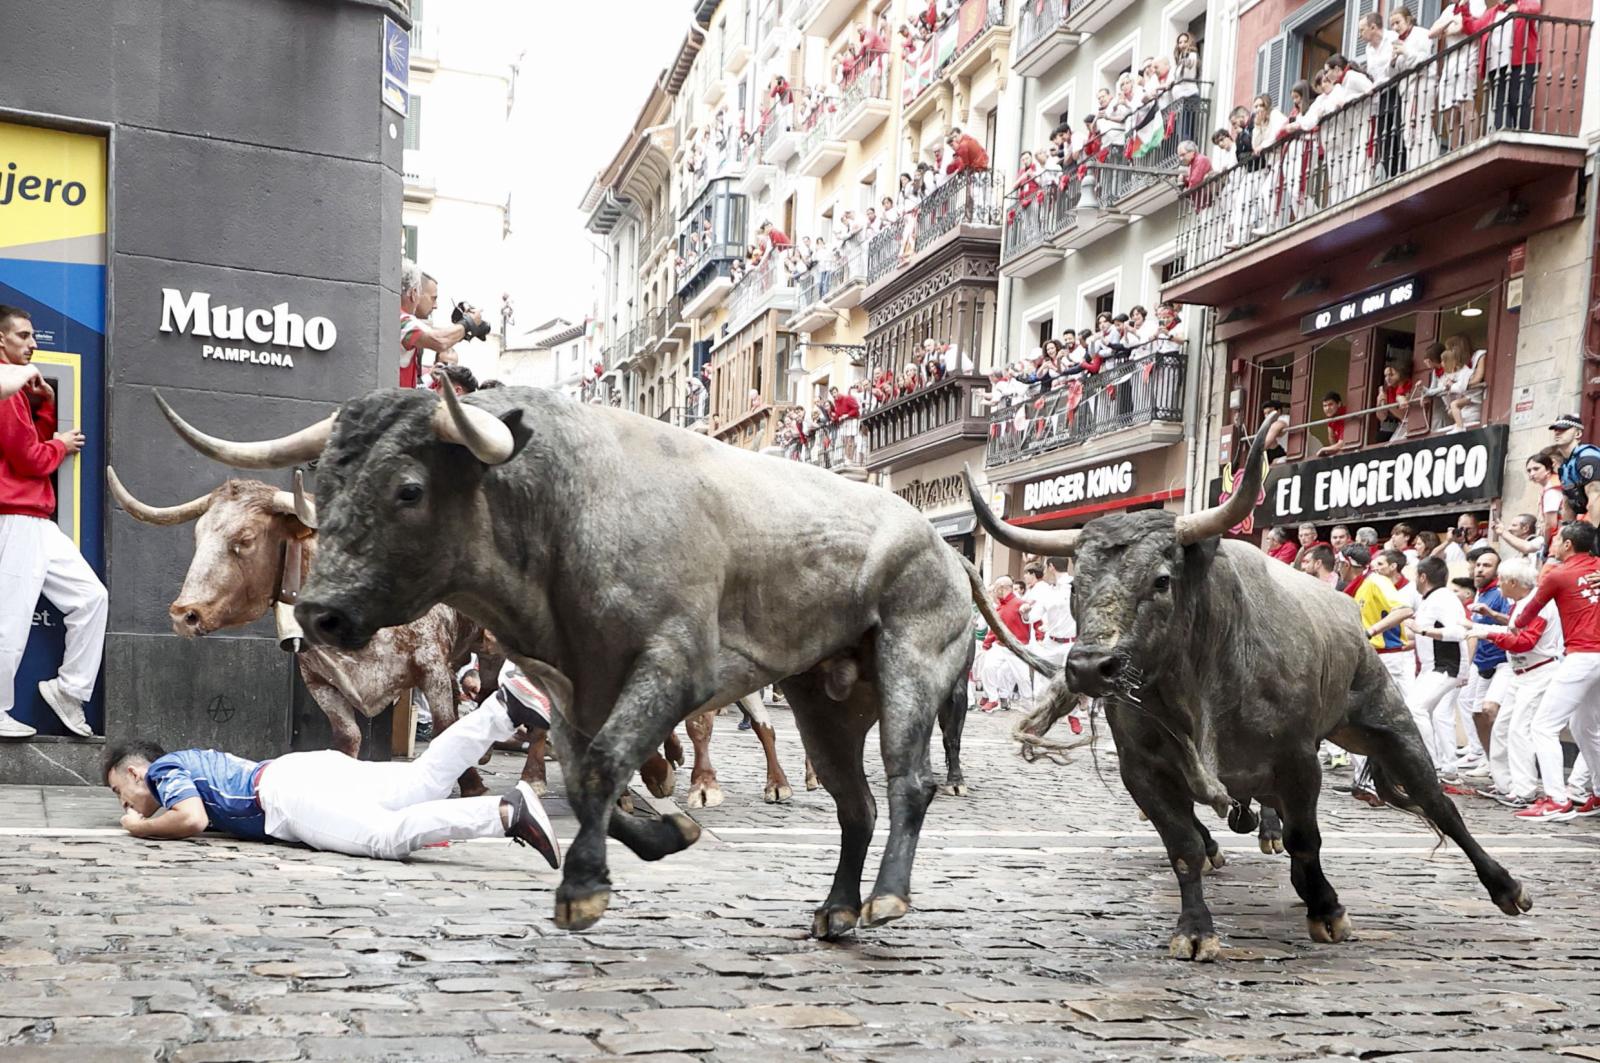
[1221, 670]
[643, 572]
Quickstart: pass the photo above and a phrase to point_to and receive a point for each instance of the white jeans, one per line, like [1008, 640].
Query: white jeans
[1511, 758]
[1004, 674]
[333, 802]
[1047, 649]
[1433, 706]
[1569, 699]
[36, 557]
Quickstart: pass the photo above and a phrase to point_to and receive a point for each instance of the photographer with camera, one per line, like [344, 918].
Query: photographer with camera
[418, 295]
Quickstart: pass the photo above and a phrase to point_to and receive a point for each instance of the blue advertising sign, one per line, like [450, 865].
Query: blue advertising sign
[396, 66]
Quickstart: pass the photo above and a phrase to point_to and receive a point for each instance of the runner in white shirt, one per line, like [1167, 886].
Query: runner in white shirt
[1060, 628]
[1441, 661]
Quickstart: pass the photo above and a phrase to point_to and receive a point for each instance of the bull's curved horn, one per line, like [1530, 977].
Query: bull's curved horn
[280, 453]
[138, 510]
[1052, 544]
[1209, 523]
[478, 430]
[305, 507]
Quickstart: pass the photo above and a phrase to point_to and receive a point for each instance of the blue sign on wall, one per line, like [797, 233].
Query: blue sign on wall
[396, 66]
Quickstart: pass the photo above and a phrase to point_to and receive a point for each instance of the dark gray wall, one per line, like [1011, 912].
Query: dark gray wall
[251, 158]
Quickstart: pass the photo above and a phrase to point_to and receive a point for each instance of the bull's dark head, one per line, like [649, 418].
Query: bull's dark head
[398, 492]
[1139, 577]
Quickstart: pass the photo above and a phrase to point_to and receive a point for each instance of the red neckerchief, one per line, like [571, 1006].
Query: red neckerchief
[1340, 79]
[1355, 585]
[1406, 34]
[1401, 583]
[1485, 590]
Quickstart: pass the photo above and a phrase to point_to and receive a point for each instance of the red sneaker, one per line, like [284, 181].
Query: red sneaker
[988, 706]
[1458, 790]
[1546, 809]
[1589, 808]
[1076, 725]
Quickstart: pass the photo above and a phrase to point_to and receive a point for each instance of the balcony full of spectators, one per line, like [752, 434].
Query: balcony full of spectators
[756, 429]
[1125, 373]
[967, 199]
[1369, 151]
[929, 420]
[946, 41]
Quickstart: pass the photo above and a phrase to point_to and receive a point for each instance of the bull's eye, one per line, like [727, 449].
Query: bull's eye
[1163, 584]
[409, 494]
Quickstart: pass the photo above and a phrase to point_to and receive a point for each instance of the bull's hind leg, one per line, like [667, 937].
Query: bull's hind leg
[952, 721]
[777, 789]
[913, 688]
[835, 737]
[1299, 783]
[704, 789]
[1380, 726]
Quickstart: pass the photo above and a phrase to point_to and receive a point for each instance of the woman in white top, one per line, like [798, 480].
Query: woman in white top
[1466, 405]
[1458, 74]
[1301, 158]
[1451, 385]
[1345, 133]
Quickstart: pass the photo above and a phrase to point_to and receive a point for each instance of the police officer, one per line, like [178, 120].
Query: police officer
[1580, 468]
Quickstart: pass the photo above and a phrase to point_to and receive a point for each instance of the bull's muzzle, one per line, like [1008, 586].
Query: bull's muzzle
[187, 619]
[1093, 671]
[330, 625]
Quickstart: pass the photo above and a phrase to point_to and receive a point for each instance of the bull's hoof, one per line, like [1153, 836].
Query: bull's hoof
[703, 795]
[538, 786]
[832, 922]
[811, 776]
[1515, 902]
[1271, 843]
[659, 778]
[777, 795]
[883, 908]
[1330, 929]
[956, 789]
[580, 913]
[1201, 948]
[1216, 861]
[1142, 817]
[686, 827]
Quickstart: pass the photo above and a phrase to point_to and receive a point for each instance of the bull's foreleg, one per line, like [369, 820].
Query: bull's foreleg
[704, 790]
[952, 721]
[777, 789]
[340, 713]
[834, 741]
[1299, 782]
[655, 696]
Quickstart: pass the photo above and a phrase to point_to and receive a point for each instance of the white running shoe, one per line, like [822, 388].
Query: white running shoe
[11, 727]
[68, 708]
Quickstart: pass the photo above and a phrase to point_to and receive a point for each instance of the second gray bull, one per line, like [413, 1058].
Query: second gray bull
[642, 573]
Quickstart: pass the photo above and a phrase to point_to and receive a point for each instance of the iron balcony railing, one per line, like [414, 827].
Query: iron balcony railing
[1037, 20]
[1127, 391]
[908, 423]
[755, 286]
[829, 448]
[655, 326]
[1533, 66]
[866, 82]
[884, 251]
[994, 14]
[1038, 213]
[776, 120]
[842, 266]
[973, 197]
[675, 415]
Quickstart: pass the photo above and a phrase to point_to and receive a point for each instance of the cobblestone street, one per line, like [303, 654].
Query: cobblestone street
[1039, 931]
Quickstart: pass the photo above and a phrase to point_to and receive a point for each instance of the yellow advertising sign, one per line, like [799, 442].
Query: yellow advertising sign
[52, 185]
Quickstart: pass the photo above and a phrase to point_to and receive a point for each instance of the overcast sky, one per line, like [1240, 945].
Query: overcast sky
[588, 67]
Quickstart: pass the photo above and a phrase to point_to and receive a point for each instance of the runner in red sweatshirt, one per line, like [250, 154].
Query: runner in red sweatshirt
[36, 557]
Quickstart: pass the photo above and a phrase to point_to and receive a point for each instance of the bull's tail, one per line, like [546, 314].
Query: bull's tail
[980, 598]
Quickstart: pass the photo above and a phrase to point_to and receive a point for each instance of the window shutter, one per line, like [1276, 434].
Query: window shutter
[1427, 13]
[414, 124]
[1271, 67]
[1354, 46]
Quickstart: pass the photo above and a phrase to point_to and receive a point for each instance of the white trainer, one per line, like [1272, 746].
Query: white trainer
[68, 708]
[10, 727]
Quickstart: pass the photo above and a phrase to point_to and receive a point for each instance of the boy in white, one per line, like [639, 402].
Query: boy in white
[1442, 670]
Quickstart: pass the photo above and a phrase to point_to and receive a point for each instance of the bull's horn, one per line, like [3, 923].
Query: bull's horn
[478, 430]
[1050, 544]
[305, 507]
[303, 445]
[155, 514]
[1209, 523]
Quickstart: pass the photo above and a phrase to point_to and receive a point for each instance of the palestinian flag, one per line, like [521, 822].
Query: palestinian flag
[1148, 131]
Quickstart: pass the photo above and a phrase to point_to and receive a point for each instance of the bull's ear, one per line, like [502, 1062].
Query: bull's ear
[520, 433]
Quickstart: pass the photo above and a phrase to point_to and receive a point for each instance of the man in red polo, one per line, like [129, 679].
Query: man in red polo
[966, 154]
[36, 557]
[1004, 675]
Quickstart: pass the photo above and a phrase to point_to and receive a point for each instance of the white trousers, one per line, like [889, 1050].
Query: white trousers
[1004, 674]
[1433, 706]
[1047, 649]
[1511, 758]
[36, 557]
[1570, 699]
[333, 802]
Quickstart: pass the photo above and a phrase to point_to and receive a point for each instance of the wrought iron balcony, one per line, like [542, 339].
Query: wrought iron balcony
[1035, 217]
[1042, 36]
[756, 429]
[975, 198]
[928, 423]
[1392, 159]
[1126, 393]
[766, 287]
[949, 47]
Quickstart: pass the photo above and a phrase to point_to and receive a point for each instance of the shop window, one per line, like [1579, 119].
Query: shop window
[1330, 373]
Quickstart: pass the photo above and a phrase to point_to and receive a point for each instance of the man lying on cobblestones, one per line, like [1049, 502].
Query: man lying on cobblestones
[327, 800]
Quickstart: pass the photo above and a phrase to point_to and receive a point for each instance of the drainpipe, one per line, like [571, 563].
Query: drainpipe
[1002, 347]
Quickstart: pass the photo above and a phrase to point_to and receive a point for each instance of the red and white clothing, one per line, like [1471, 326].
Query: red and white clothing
[1573, 698]
[411, 350]
[1533, 646]
[37, 557]
[1004, 674]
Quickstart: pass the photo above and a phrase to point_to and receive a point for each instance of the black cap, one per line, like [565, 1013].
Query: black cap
[1565, 421]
